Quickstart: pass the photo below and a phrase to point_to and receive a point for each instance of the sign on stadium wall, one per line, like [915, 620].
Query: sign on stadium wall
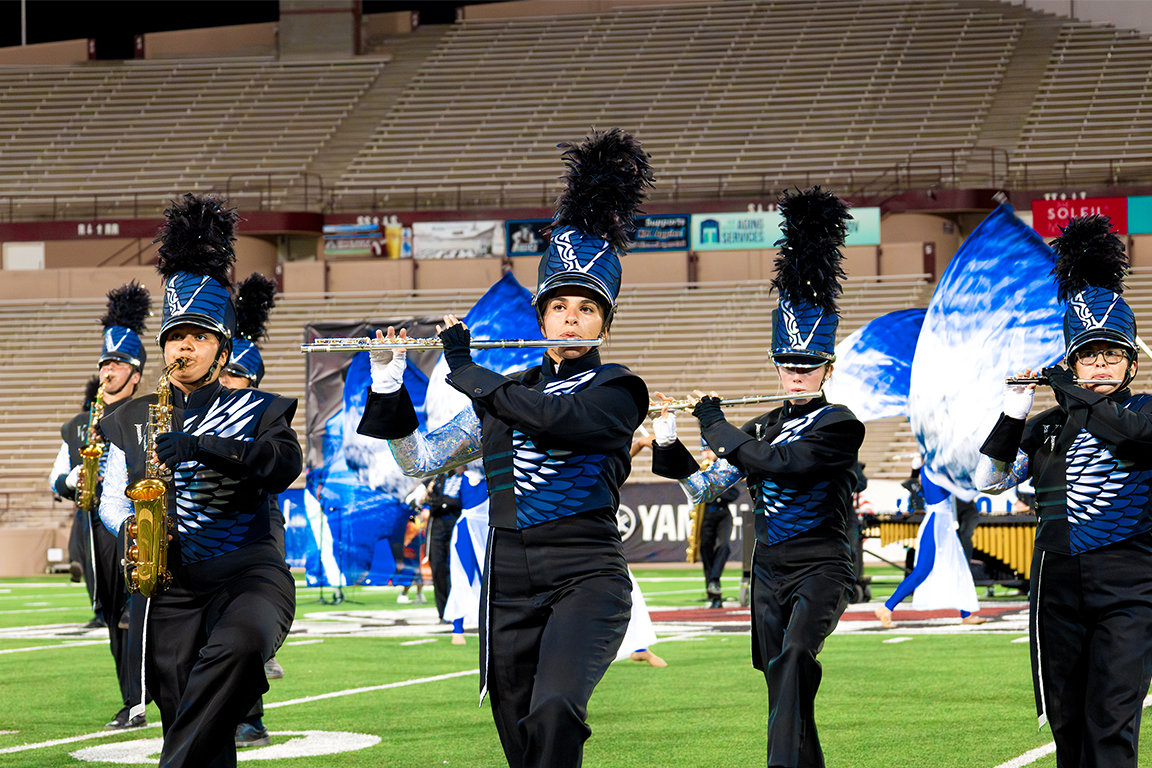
[457, 239]
[755, 230]
[1049, 215]
[654, 522]
[526, 237]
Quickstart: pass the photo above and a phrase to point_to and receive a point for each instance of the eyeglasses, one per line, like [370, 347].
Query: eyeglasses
[1088, 356]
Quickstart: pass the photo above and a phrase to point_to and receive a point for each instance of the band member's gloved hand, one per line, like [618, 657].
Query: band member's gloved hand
[1018, 400]
[417, 496]
[175, 447]
[708, 412]
[73, 478]
[388, 370]
[1060, 379]
[664, 429]
[456, 339]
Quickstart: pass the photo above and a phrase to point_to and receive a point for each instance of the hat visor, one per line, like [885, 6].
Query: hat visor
[120, 356]
[199, 320]
[1098, 334]
[580, 279]
[791, 359]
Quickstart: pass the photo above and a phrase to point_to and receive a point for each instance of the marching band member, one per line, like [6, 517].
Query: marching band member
[121, 364]
[555, 441]
[231, 599]
[1090, 459]
[799, 461]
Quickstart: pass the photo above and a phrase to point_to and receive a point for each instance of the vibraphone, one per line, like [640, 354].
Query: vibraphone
[1007, 538]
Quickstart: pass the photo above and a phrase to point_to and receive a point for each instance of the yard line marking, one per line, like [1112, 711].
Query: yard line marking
[290, 702]
[42, 610]
[1033, 755]
[351, 691]
[53, 647]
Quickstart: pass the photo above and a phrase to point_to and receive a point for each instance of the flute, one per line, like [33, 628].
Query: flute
[1044, 380]
[687, 403]
[416, 345]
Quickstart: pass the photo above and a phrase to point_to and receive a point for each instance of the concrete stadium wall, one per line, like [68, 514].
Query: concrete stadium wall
[63, 52]
[236, 40]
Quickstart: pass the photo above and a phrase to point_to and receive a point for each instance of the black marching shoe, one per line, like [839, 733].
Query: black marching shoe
[122, 722]
[252, 734]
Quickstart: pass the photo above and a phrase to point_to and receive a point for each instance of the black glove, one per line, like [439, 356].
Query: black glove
[175, 447]
[708, 412]
[457, 353]
[1060, 379]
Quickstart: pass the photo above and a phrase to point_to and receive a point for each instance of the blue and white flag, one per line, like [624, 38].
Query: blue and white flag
[995, 312]
[874, 366]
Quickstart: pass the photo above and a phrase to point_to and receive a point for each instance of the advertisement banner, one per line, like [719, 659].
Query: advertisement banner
[344, 240]
[526, 237]
[1140, 215]
[457, 239]
[654, 522]
[1049, 215]
[755, 230]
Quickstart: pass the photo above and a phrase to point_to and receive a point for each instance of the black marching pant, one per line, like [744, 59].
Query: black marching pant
[80, 551]
[113, 599]
[208, 638]
[440, 557]
[715, 541]
[800, 587]
[558, 599]
[1092, 649]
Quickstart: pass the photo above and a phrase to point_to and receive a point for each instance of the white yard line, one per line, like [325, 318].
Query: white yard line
[1033, 755]
[54, 647]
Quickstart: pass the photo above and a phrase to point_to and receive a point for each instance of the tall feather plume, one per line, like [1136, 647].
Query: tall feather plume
[128, 306]
[91, 388]
[604, 186]
[1089, 254]
[255, 298]
[197, 237]
[809, 265]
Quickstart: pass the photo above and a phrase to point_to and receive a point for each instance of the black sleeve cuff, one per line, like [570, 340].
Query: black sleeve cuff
[62, 488]
[388, 417]
[1004, 441]
[476, 381]
[725, 439]
[674, 461]
[223, 455]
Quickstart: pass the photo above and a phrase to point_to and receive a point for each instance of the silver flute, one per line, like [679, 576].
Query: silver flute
[416, 345]
[1044, 380]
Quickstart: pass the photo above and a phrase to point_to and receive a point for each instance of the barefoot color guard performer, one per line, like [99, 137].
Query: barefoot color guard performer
[1090, 460]
[555, 441]
[231, 598]
[800, 463]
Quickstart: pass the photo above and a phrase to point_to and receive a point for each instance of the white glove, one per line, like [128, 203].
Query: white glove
[73, 479]
[1018, 400]
[417, 496]
[664, 428]
[388, 370]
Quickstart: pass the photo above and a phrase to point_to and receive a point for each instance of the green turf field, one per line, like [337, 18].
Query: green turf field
[888, 699]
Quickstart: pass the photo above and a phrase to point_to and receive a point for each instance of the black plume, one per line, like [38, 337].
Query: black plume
[814, 229]
[128, 306]
[255, 298]
[1088, 254]
[605, 183]
[91, 388]
[197, 237]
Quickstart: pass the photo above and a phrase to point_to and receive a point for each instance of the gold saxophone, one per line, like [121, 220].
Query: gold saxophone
[146, 561]
[696, 516]
[90, 455]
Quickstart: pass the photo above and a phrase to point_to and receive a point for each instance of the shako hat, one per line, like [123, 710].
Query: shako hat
[604, 185]
[1090, 270]
[128, 309]
[808, 276]
[195, 259]
[255, 298]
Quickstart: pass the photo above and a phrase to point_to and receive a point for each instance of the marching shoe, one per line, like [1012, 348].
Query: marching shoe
[252, 735]
[121, 722]
[273, 670]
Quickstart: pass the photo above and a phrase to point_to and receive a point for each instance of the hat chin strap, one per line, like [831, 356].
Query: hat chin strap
[212, 368]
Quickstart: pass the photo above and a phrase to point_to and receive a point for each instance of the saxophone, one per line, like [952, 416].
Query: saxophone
[90, 455]
[696, 516]
[146, 561]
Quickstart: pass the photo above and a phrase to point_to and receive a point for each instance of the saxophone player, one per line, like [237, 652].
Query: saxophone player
[121, 363]
[228, 599]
